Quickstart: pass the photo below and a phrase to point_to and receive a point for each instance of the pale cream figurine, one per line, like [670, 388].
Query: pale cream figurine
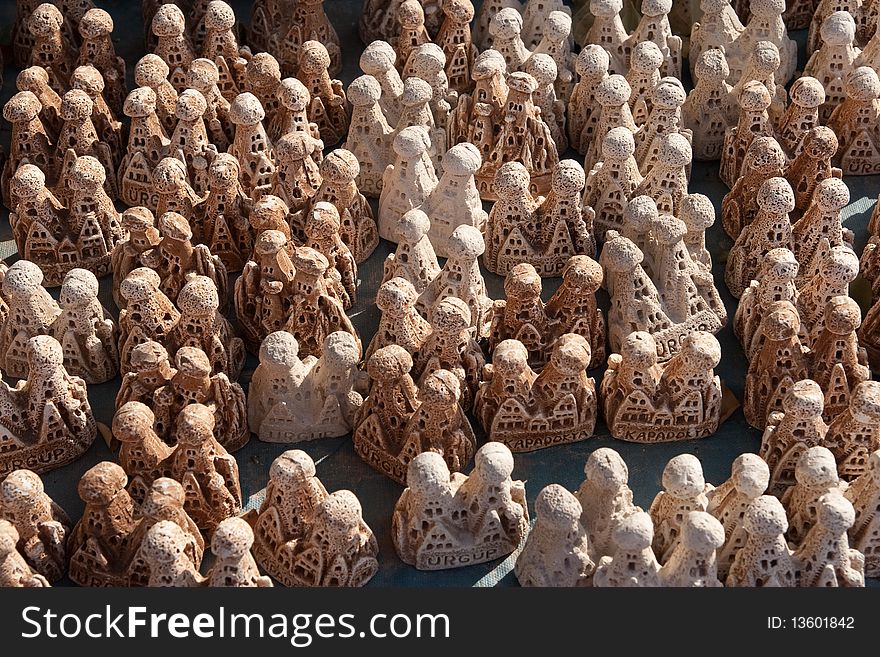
[632, 563]
[693, 562]
[855, 122]
[764, 159]
[234, 564]
[812, 165]
[414, 259]
[667, 180]
[591, 67]
[612, 97]
[14, 570]
[369, 137]
[505, 30]
[825, 558]
[717, 29]
[684, 490]
[764, 559]
[612, 181]
[608, 31]
[329, 108]
[454, 38]
[815, 475]
[863, 494]
[151, 71]
[488, 9]
[765, 24]
[665, 118]
[408, 182]
[753, 122]
[838, 267]
[643, 76]
[377, 61]
[556, 41]
[807, 95]
[654, 26]
[172, 43]
[705, 111]
[854, 435]
[832, 63]
[163, 553]
[400, 323]
[543, 69]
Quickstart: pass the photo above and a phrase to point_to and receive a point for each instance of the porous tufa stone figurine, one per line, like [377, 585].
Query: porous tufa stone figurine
[454, 37]
[556, 552]
[142, 453]
[591, 67]
[643, 76]
[855, 122]
[612, 182]
[717, 29]
[377, 61]
[764, 559]
[31, 151]
[152, 72]
[693, 562]
[428, 528]
[505, 29]
[815, 475]
[608, 31]
[30, 311]
[14, 570]
[833, 61]
[807, 95]
[146, 142]
[754, 121]
[414, 259]
[400, 323]
[764, 24]
[632, 563]
[163, 553]
[812, 165]
[234, 565]
[148, 315]
[854, 434]
[825, 558]
[370, 133]
[764, 159]
[307, 537]
[307, 22]
[863, 494]
[408, 182]
[150, 369]
[322, 232]
[251, 145]
[329, 109]
[705, 111]
[684, 490]
[172, 43]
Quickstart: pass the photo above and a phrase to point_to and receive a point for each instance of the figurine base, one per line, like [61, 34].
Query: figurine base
[639, 433]
[42, 458]
[388, 465]
[530, 442]
[455, 559]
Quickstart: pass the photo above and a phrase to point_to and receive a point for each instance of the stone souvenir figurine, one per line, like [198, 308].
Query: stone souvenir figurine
[693, 562]
[415, 259]
[505, 30]
[36, 80]
[30, 312]
[204, 77]
[307, 537]
[807, 95]
[428, 528]
[251, 145]
[297, 175]
[455, 200]
[718, 29]
[400, 323]
[667, 180]
[408, 182]
[863, 494]
[369, 136]
[667, 97]
[221, 220]
[151, 71]
[633, 563]
[221, 46]
[30, 146]
[308, 22]
[765, 24]
[854, 434]
[146, 142]
[234, 565]
[643, 76]
[825, 558]
[481, 34]
[516, 407]
[150, 369]
[837, 268]
[50, 422]
[22, 40]
[608, 31]
[815, 475]
[411, 19]
[14, 569]
[832, 63]
[705, 111]
[764, 559]
[543, 69]
[42, 525]
[173, 190]
[323, 404]
[377, 60]
[51, 49]
[680, 400]
[322, 231]
[770, 229]
[98, 545]
[612, 96]
[148, 315]
[97, 49]
[110, 131]
[612, 181]
[314, 312]
[591, 66]
[606, 499]
[754, 121]
[855, 122]
[142, 453]
[730, 502]
[263, 80]
[461, 277]
[556, 552]
[556, 41]
[454, 38]
[329, 109]
[781, 361]
[654, 26]
[85, 329]
[761, 66]
[812, 165]
[379, 19]
[573, 306]
[190, 138]
[172, 43]
[477, 113]
[163, 554]
[522, 316]
[684, 491]
[279, 374]
[764, 159]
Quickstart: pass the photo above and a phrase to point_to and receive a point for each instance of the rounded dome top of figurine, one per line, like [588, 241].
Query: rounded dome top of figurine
[816, 468]
[766, 155]
[842, 315]
[765, 59]
[606, 469]
[782, 321]
[804, 400]
[621, 255]
[656, 7]
[416, 92]
[76, 106]
[268, 212]
[413, 226]
[776, 196]
[605, 8]
[364, 91]
[192, 362]
[807, 92]
[427, 475]
[820, 142]
[835, 513]
[141, 284]
[646, 57]
[556, 508]
[165, 495]
[639, 350]
[865, 403]
[313, 57]
[701, 532]
[450, 315]
[292, 467]
[194, 424]
[542, 67]
[765, 516]
[95, 23]
[634, 533]
[164, 543]
[140, 103]
[168, 21]
[246, 110]
[295, 146]
[522, 82]
[101, 483]
[488, 64]
[754, 97]
[839, 29]
[20, 488]
[494, 463]
[45, 20]
[697, 212]
[523, 281]
[460, 10]
[87, 78]
[668, 229]
[583, 273]
[568, 178]
[224, 170]
[411, 14]
[131, 422]
[668, 94]
[219, 16]
[510, 357]
[618, 144]
[780, 263]
[711, 65]
[309, 261]
[571, 354]
[169, 175]
[840, 264]
[148, 355]
[80, 287]
[378, 57]
[33, 78]
[767, 8]
[751, 475]
[232, 538]
[506, 24]
[341, 351]
[396, 295]
[613, 91]
[27, 181]
[592, 61]
[340, 512]
[712, 6]
[557, 26]
[86, 174]
[862, 84]
[263, 70]
[511, 180]
[191, 106]
[323, 221]
[198, 297]
[675, 151]
[700, 351]
[22, 279]
[683, 476]
[150, 70]
[440, 388]
[427, 60]
[293, 94]
[389, 363]
[466, 243]
[280, 348]
[832, 194]
[175, 226]
[463, 159]
[8, 538]
[641, 211]
[412, 141]
[341, 166]
[202, 75]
